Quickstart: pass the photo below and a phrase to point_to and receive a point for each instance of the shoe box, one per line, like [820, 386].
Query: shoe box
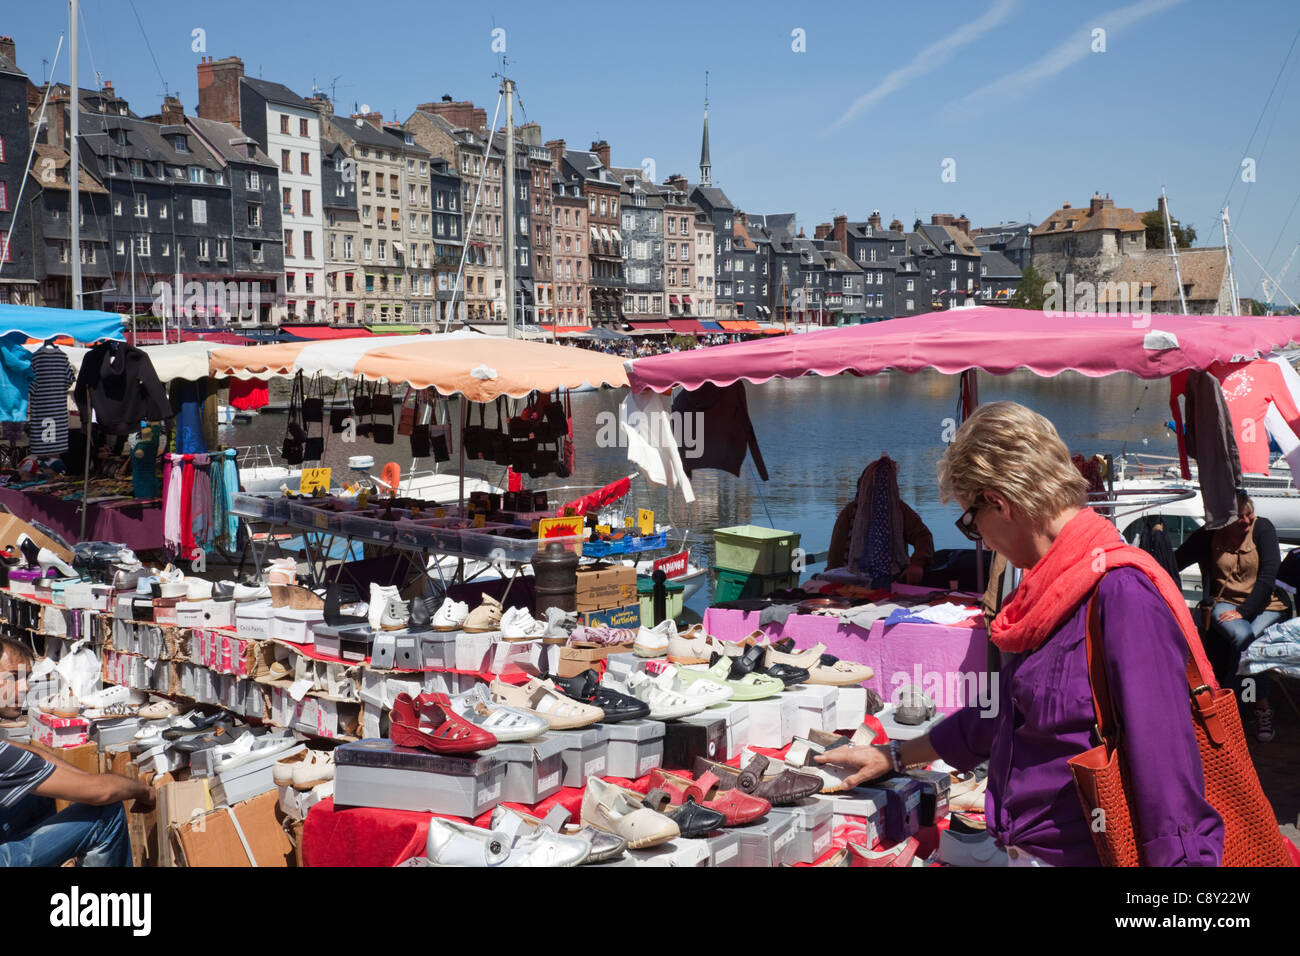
[18, 734]
[767, 842]
[110, 731]
[857, 815]
[473, 650]
[57, 732]
[585, 752]
[817, 707]
[772, 721]
[377, 773]
[253, 619]
[621, 665]
[902, 799]
[214, 612]
[679, 852]
[247, 780]
[735, 718]
[534, 768]
[351, 642]
[437, 648]
[295, 626]
[897, 731]
[934, 794]
[724, 847]
[22, 581]
[812, 821]
[635, 748]
[699, 735]
[850, 707]
[295, 804]
[141, 639]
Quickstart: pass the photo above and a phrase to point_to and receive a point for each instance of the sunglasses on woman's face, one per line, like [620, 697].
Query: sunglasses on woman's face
[966, 523]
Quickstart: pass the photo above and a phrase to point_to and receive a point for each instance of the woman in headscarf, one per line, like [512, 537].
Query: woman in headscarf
[875, 529]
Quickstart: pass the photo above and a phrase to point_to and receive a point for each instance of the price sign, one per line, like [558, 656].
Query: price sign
[440, 512]
[602, 529]
[313, 478]
[628, 521]
[645, 519]
[480, 520]
[572, 527]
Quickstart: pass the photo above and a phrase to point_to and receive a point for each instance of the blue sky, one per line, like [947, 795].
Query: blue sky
[863, 118]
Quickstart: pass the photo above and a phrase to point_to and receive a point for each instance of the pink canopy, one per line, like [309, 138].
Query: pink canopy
[996, 340]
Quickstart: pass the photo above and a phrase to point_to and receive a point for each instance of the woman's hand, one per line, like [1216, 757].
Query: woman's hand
[871, 762]
[1232, 614]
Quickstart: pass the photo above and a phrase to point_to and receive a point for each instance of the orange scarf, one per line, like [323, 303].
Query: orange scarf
[1050, 592]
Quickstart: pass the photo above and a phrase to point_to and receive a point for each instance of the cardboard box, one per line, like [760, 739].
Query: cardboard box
[766, 842]
[83, 756]
[180, 804]
[61, 733]
[736, 716]
[11, 526]
[902, 799]
[602, 586]
[724, 848]
[616, 617]
[214, 841]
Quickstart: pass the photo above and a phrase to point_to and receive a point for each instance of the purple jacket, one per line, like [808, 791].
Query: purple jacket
[1045, 716]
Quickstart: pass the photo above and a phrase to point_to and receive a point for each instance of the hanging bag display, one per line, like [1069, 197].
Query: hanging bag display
[338, 415]
[381, 405]
[295, 436]
[360, 397]
[500, 436]
[313, 403]
[406, 421]
[566, 458]
[475, 437]
[1250, 832]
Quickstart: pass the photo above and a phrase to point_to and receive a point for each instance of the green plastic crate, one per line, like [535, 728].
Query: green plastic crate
[750, 549]
[645, 589]
[733, 585]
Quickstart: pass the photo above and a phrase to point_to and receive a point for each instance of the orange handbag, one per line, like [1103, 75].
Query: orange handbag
[1250, 832]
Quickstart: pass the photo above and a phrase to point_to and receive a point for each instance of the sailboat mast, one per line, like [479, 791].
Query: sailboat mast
[1173, 248]
[74, 202]
[510, 207]
[1232, 278]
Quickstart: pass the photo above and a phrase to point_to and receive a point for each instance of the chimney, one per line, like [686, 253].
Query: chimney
[556, 146]
[459, 113]
[173, 113]
[58, 134]
[941, 219]
[874, 220]
[322, 104]
[7, 49]
[601, 149]
[962, 223]
[895, 225]
[1095, 204]
[1160, 206]
[1066, 204]
[1108, 203]
[841, 232]
[374, 119]
[821, 230]
[676, 181]
[219, 88]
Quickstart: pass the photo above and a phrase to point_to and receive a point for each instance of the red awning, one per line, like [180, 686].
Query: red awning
[320, 332]
[566, 329]
[673, 299]
[738, 325]
[659, 326]
[687, 326]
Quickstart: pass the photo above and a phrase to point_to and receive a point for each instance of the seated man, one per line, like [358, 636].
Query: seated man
[873, 532]
[93, 830]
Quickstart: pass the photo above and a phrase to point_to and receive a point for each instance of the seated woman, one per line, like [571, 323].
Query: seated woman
[875, 529]
[1022, 496]
[1238, 573]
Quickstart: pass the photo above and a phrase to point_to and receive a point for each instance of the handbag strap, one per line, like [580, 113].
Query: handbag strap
[1106, 727]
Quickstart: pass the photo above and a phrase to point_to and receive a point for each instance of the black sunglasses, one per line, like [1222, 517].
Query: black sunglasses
[966, 523]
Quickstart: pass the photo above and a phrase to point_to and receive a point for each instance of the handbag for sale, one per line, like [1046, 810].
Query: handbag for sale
[338, 416]
[313, 449]
[313, 407]
[1250, 833]
[295, 436]
[361, 397]
[500, 437]
[406, 422]
[474, 438]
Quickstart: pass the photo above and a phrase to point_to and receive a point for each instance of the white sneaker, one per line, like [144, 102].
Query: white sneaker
[703, 690]
[451, 843]
[518, 625]
[653, 641]
[395, 615]
[114, 694]
[450, 615]
[253, 592]
[197, 589]
[379, 595]
[664, 704]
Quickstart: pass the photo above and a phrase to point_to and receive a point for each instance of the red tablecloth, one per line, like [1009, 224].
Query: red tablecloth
[137, 525]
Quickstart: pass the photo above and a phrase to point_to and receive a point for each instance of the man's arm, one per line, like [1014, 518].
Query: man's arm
[97, 789]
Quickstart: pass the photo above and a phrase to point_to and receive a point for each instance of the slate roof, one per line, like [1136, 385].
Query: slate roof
[145, 141]
[1201, 269]
[223, 138]
[276, 93]
[996, 265]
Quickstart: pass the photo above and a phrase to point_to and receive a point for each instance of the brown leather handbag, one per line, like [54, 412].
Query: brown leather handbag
[1250, 832]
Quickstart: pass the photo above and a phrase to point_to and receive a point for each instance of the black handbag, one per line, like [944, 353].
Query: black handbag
[361, 397]
[295, 436]
[313, 406]
[499, 436]
[474, 438]
[337, 418]
[381, 403]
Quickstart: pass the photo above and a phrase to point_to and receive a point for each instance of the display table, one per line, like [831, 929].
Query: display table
[928, 655]
[136, 524]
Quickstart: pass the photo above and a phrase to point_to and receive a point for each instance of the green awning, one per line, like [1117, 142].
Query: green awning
[383, 328]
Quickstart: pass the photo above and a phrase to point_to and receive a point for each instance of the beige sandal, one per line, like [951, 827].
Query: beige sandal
[541, 697]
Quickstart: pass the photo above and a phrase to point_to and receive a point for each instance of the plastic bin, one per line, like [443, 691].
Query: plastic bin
[261, 507]
[750, 549]
[733, 585]
[645, 591]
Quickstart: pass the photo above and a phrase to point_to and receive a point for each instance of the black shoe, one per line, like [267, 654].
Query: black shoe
[787, 674]
[691, 818]
[335, 597]
[422, 611]
[31, 551]
[587, 688]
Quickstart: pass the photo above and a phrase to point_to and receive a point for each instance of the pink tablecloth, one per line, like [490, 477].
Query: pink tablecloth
[945, 662]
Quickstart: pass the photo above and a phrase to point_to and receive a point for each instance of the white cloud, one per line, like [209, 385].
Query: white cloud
[1077, 46]
[929, 59]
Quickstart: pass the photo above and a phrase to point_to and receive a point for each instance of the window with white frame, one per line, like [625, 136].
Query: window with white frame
[199, 211]
[141, 206]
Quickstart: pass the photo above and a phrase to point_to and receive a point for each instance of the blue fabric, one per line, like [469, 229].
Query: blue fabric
[1235, 637]
[225, 484]
[187, 400]
[34, 835]
[15, 378]
[144, 468]
[879, 561]
[38, 323]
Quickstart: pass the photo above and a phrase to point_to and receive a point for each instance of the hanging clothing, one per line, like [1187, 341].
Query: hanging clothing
[229, 488]
[723, 433]
[1154, 540]
[15, 378]
[144, 466]
[644, 426]
[119, 382]
[172, 488]
[1249, 389]
[202, 502]
[187, 505]
[47, 415]
[249, 394]
[1207, 437]
[187, 403]
[225, 483]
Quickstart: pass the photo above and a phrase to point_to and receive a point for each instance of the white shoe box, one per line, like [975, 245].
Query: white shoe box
[736, 715]
[437, 648]
[679, 852]
[474, 651]
[621, 666]
[897, 731]
[296, 803]
[253, 620]
[850, 708]
[818, 707]
[861, 812]
[293, 626]
[772, 721]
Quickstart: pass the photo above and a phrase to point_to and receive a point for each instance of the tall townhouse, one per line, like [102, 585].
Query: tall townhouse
[18, 253]
[949, 260]
[541, 223]
[417, 248]
[683, 276]
[569, 239]
[605, 277]
[448, 240]
[343, 275]
[48, 198]
[643, 249]
[705, 282]
[288, 128]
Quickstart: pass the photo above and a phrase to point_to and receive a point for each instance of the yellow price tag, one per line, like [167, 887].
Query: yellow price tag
[313, 478]
[532, 525]
[627, 522]
[569, 527]
[645, 519]
[480, 520]
[322, 521]
[440, 512]
[602, 529]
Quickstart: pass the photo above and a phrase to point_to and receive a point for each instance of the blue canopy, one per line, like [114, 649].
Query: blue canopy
[37, 323]
[710, 326]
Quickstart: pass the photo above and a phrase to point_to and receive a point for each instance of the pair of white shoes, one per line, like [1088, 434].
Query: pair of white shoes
[304, 770]
[387, 611]
[518, 625]
[451, 843]
[653, 641]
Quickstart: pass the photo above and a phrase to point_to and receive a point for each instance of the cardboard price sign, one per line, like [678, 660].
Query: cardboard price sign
[574, 527]
[645, 519]
[673, 566]
[313, 478]
[602, 529]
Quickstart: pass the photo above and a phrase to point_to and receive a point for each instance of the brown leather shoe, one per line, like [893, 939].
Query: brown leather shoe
[782, 790]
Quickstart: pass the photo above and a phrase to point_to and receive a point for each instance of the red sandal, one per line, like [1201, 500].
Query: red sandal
[737, 806]
[429, 722]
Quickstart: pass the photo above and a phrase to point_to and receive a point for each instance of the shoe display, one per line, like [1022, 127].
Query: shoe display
[282, 769]
[601, 846]
[159, 709]
[912, 706]
[451, 843]
[295, 597]
[126, 577]
[172, 583]
[396, 614]
[197, 589]
[587, 688]
[783, 789]
[615, 810]
[378, 604]
[450, 615]
[653, 641]
[966, 793]
[694, 685]
[62, 704]
[737, 807]
[541, 697]
[751, 661]
[47, 559]
[316, 767]
[518, 625]
[337, 596]
[750, 687]
[506, 724]
[250, 592]
[429, 721]
[602, 636]
[692, 819]
[484, 618]
[694, 646]
[664, 704]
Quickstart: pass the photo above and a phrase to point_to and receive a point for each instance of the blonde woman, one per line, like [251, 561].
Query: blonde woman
[1010, 471]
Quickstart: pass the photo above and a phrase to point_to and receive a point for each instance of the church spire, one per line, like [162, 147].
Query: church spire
[706, 178]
